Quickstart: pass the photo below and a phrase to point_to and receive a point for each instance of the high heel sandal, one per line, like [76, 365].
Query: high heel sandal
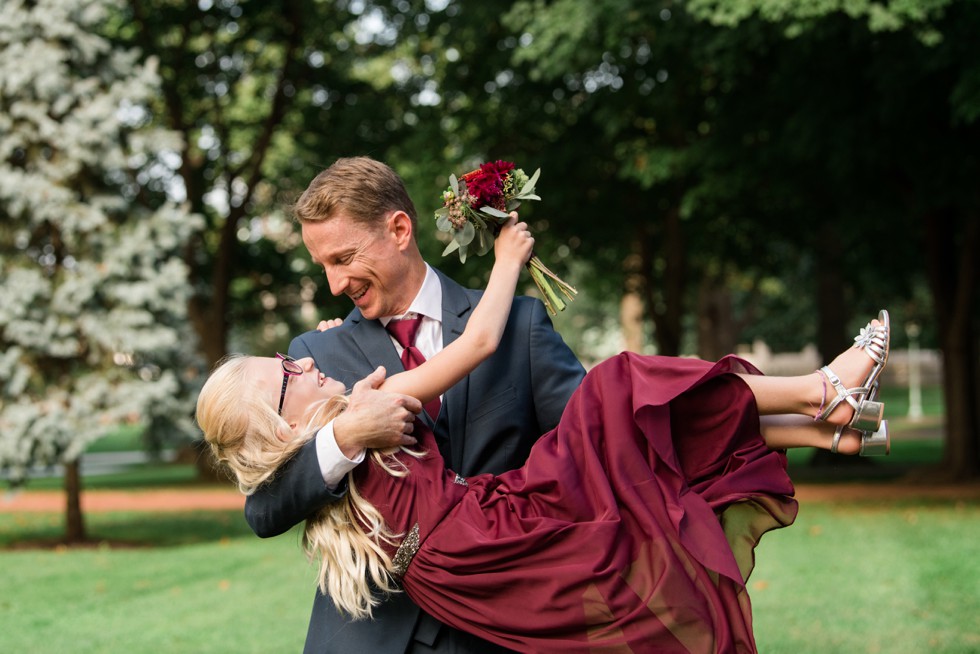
[868, 411]
[876, 443]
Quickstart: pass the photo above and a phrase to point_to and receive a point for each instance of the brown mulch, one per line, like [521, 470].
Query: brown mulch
[217, 499]
[95, 501]
[883, 492]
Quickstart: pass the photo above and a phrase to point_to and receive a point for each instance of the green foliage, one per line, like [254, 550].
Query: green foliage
[93, 291]
[265, 95]
[798, 15]
[142, 475]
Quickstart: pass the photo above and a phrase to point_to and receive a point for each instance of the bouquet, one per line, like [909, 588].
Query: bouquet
[476, 205]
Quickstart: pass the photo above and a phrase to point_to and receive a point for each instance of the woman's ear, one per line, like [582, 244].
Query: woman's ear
[283, 436]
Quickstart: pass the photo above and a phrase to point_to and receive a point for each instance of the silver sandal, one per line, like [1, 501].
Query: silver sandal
[876, 443]
[868, 411]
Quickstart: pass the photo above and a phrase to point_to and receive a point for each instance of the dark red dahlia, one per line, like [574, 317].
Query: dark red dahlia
[486, 184]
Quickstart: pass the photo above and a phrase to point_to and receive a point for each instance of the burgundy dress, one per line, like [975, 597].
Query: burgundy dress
[630, 528]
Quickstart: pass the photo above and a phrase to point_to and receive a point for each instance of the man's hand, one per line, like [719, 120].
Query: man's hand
[375, 419]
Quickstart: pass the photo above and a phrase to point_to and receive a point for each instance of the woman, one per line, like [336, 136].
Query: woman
[630, 528]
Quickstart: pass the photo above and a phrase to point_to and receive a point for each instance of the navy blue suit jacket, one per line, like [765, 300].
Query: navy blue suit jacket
[488, 423]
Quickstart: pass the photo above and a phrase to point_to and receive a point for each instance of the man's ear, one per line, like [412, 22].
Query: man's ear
[400, 227]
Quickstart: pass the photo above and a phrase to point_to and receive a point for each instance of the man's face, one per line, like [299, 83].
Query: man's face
[365, 263]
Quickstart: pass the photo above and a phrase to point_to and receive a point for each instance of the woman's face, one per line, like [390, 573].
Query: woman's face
[301, 390]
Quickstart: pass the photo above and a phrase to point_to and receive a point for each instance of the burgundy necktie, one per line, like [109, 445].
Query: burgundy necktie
[404, 332]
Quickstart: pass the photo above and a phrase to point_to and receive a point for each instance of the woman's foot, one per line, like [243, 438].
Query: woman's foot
[851, 367]
[848, 441]
[849, 385]
[851, 441]
[785, 431]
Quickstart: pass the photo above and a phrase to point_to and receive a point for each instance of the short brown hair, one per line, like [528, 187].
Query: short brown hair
[364, 189]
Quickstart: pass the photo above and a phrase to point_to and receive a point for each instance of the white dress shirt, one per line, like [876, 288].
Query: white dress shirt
[428, 304]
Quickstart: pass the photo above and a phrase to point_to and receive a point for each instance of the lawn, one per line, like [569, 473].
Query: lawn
[207, 585]
[900, 577]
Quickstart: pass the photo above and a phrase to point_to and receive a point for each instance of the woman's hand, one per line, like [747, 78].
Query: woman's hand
[514, 243]
[329, 324]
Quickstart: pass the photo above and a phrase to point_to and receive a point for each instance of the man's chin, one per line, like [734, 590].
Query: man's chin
[368, 311]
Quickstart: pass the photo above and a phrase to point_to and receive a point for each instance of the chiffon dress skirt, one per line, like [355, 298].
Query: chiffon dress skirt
[631, 527]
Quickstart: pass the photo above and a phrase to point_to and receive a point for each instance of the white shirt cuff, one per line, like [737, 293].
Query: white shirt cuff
[334, 466]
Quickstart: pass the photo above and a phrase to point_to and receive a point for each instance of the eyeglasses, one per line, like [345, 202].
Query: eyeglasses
[289, 369]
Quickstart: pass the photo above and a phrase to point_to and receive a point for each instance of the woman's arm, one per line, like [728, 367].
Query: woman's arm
[484, 329]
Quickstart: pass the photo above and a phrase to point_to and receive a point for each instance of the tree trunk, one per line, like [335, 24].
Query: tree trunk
[831, 337]
[717, 331]
[74, 520]
[664, 294]
[832, 317]
[631, 304]
[961, 457]
[952, 241]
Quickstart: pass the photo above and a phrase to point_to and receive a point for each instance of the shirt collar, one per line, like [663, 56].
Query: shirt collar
[427, 303]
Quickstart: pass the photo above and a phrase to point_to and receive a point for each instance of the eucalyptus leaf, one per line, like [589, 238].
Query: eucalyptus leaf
[494, 212]
[465, 236]
[454, 184]
[513, 204]
[452, 247]
[443, 224]
[529, 186]
[530, 196]
[462, 254]
[485, 243]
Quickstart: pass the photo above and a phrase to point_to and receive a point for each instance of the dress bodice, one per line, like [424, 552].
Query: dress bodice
[414, 503]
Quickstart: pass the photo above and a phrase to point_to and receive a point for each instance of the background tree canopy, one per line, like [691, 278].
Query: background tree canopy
[748, 169]
[93, 301]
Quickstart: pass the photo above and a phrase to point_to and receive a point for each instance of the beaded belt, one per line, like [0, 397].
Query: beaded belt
[405, 552]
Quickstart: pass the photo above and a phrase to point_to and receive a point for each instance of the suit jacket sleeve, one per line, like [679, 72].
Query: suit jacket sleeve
[296, 492]
[555, 371]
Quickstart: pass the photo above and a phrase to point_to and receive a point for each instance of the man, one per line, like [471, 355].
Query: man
[359, 224]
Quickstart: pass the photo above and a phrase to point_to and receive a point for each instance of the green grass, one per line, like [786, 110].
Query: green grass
[899, 577]
[121, 439]
[206, 586]
[144, 475]
[905, 456]
[896, 399]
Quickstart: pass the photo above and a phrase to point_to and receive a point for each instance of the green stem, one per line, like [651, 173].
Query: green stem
[549, 284]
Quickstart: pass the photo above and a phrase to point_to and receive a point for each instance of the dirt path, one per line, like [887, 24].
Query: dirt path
[94, 501]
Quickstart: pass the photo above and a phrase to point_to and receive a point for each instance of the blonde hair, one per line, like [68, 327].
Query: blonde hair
[348, 536]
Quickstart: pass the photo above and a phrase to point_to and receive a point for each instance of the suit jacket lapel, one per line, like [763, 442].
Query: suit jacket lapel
[456, 311]
[375, 345]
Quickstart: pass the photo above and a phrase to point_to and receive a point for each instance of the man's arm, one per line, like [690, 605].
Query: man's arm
[373, 419]
[555, 370]
[291, 496]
